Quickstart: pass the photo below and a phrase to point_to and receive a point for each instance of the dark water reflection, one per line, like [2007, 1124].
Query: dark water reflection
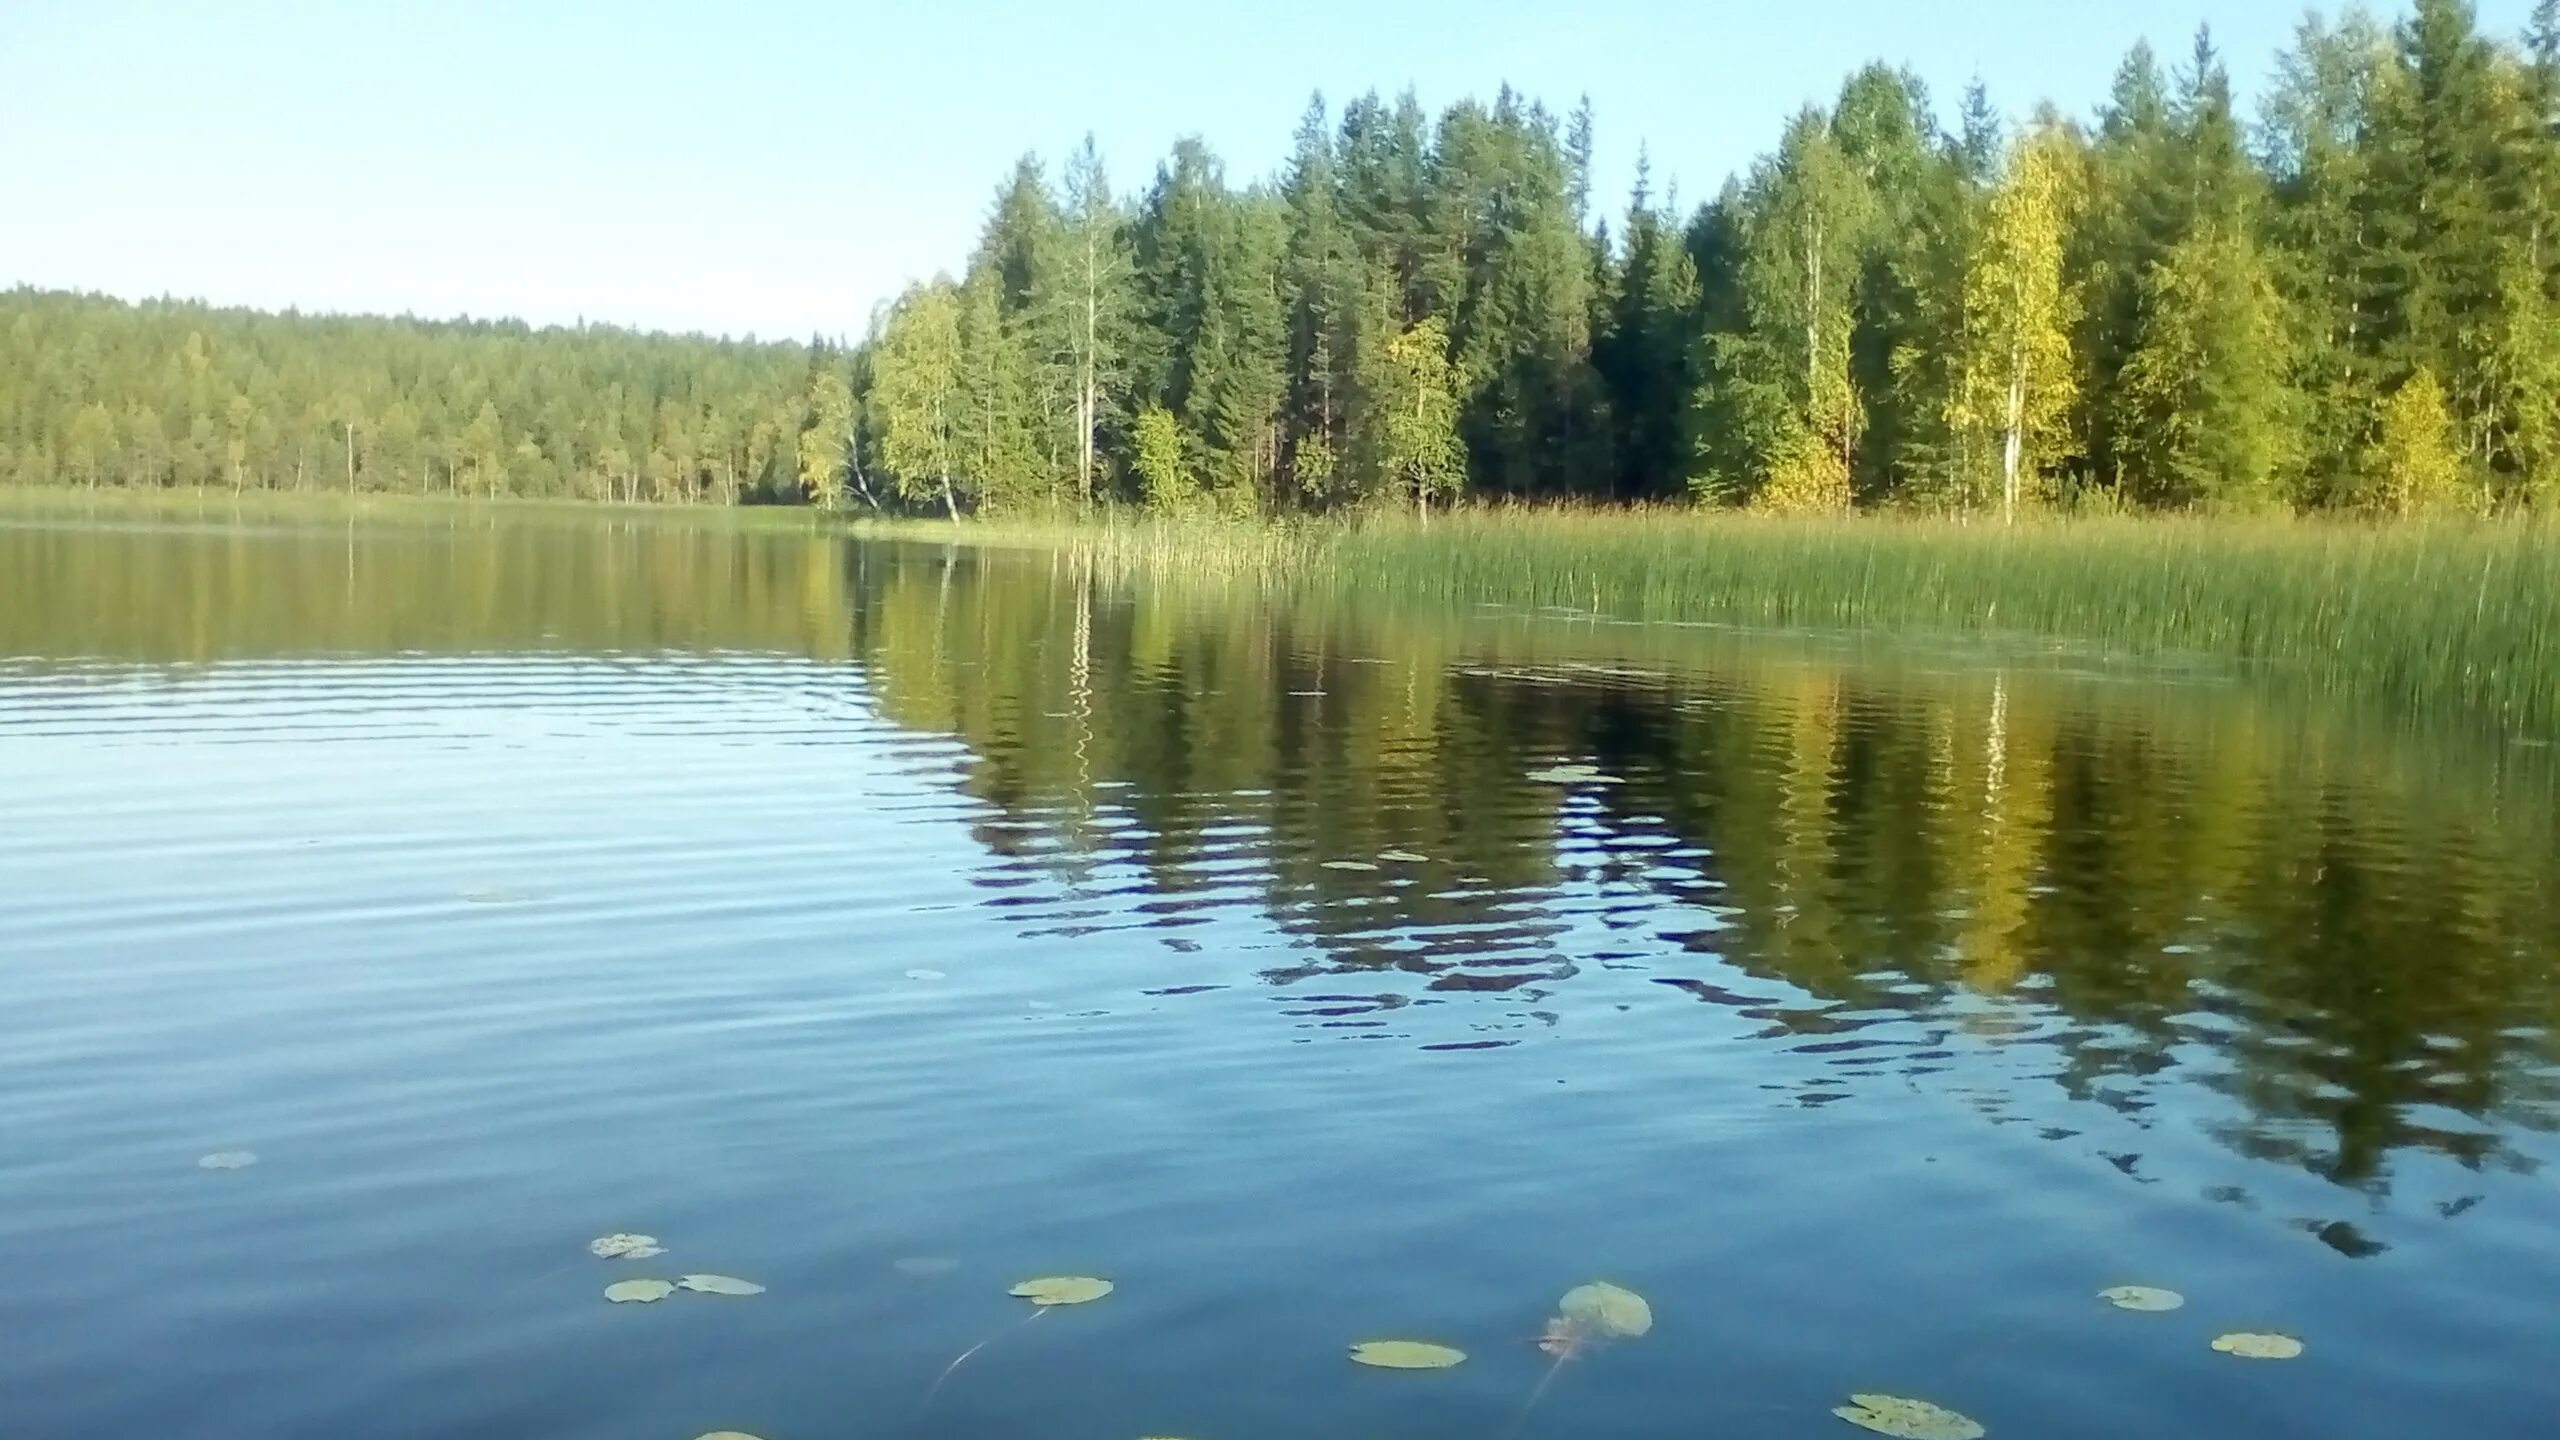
[2179, 982]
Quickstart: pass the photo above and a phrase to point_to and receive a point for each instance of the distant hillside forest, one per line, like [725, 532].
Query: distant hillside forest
[2351, 301]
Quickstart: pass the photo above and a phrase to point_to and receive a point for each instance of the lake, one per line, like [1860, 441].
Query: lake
[889, 924]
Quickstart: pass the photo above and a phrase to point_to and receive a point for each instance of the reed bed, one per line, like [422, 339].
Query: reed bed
[2436, 617]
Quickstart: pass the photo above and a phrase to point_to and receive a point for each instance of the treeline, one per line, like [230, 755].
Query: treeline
[94, 391]
[2353, 300]
[2349, 300]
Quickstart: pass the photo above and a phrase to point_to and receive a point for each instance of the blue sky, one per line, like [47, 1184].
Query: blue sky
[778, 166]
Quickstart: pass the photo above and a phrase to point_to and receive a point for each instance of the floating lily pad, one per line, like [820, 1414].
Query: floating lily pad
[1349, 865]
[1572, 775]
[924, 974]
[228, 1160]
[638, 1292]
[2254, 1345]
[1908, 1419]
[625, 1247]
[1063, 1290]
[1606, 1311]
[718, 1285]
[1406, 1355]
[2142, 1297]
[924, 1265]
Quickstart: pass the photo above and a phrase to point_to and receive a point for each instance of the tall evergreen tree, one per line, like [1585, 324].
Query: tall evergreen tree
[1646, 352]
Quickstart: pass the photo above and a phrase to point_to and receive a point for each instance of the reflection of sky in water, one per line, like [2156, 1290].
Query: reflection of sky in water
[703, 880]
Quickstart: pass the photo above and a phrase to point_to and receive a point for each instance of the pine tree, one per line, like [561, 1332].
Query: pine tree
[2205, 407]
[2431, 273]
[1646, 351]
[1324, 290]
[2313, 133]
[2128, 221]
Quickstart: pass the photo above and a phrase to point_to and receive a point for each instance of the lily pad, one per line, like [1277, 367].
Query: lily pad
[1063, 1290]
[638, 1292]
[1572, 775]
[1605, 1310]
[2255, 1345]
[228, 1160]
[1406, 1355]
[621, 1246]
[1908, 1419]
[2142, 1297]
[718, 1285]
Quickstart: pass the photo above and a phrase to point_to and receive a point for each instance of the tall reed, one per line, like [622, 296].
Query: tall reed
[2451, 616]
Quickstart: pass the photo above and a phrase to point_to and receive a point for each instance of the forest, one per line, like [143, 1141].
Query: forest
[2348, 299]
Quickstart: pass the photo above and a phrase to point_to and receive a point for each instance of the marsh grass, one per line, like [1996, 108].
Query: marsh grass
[2431, 617]
[2442, 619]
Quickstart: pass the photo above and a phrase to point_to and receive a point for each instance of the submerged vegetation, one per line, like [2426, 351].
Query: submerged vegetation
[2350, 300]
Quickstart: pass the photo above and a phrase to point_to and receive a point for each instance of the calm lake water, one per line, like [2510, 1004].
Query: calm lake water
[886, 925]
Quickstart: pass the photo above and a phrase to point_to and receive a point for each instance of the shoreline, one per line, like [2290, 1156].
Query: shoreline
[2445, 616]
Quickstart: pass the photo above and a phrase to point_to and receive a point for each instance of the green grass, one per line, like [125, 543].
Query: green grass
[2441, 619]
[2461, 618]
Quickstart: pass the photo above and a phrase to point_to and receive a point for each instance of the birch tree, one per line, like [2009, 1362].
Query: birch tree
[2015, 387]
[921, 391]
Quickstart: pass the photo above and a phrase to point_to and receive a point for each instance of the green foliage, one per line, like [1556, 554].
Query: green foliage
[1417, 446]
[1884, 311]
[1163, 477]
[94, 391]
[2424, 617]
[1807, 475]
[2203, 397]
[921, 392]
[2416, 467]
[825, 445]
[2014, 383]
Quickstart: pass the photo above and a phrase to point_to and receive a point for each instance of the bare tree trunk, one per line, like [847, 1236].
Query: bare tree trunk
[1084, 396]
[2013, 443]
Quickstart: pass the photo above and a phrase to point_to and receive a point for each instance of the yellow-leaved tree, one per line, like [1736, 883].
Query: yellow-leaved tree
[2014, 375]
[2416, 466]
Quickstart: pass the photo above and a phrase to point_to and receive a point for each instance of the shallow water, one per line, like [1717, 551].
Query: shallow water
[819, 907]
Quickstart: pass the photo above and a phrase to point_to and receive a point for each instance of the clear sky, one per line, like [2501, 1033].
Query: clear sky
[778, 166]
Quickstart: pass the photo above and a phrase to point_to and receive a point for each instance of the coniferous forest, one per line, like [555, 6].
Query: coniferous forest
[2348, 299]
